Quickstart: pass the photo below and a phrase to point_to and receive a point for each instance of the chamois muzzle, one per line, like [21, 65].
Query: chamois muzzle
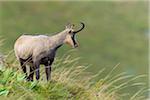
[83, 25]
[74, 41]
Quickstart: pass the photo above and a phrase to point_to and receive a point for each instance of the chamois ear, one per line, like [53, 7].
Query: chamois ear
[69, 25]
[72, 25]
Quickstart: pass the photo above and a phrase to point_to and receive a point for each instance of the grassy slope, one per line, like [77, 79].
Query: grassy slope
[73, 83]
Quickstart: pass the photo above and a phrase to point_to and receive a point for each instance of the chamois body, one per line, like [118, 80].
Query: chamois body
[41, 49]
[36, 46]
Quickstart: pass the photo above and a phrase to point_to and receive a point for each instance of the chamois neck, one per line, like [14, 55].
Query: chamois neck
[58, 39]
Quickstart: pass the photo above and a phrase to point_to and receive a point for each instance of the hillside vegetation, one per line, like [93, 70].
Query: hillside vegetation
[70, 81]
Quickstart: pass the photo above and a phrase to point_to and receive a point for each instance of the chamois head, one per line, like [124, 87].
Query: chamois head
[70, 37]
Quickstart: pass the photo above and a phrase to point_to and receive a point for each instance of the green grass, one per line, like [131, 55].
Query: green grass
[70, 80]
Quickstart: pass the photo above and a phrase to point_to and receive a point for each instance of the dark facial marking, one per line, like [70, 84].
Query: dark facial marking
[70, 31]
[73, 39]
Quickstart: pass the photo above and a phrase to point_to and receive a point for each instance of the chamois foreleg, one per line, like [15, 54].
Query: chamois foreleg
[36, 65]
[48, 69]
[48, 72]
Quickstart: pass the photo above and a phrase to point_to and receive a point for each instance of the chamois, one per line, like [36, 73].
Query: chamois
[41, 49]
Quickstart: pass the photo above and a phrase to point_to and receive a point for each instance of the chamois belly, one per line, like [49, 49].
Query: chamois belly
[45, 60]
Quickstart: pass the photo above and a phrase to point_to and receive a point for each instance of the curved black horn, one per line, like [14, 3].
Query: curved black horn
[83, 25]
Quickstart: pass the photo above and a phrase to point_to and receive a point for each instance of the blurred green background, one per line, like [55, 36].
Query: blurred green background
[115, 32]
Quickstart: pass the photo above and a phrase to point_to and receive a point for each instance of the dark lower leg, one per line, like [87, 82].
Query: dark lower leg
[37, 74]
[48, 72]
[37, 70]
[30, 77]
[23, 67]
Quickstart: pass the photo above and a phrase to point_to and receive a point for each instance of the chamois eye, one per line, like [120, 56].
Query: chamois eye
[69, 31]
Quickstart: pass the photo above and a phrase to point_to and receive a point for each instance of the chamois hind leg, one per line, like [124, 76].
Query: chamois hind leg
[31, 74]
[23, 66]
